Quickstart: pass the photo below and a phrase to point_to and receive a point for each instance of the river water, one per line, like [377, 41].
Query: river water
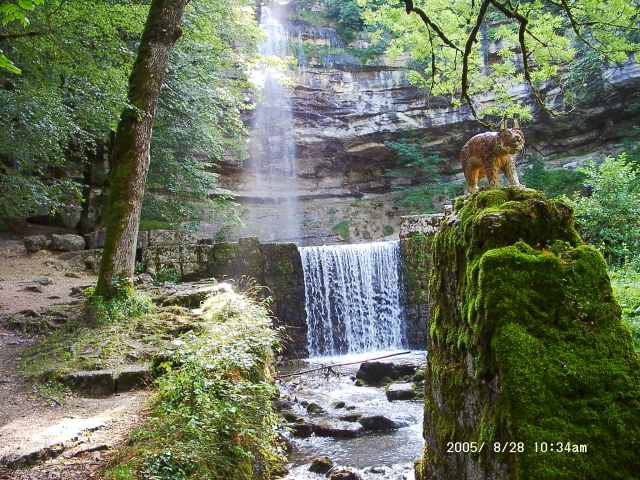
[376, 456]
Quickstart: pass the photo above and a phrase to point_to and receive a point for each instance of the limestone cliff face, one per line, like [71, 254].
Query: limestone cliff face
[344, 113]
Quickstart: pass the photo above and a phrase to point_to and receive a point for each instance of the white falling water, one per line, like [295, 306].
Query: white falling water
[354, 298]
[272, 144]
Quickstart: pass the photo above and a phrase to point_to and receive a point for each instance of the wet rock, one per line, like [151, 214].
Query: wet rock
[377, 373]
[292, 417]
[419, 375]
[337, 429]
[350, 417]
[282, 404]
[378, 470]
[400, 391]
[143, 279]
[302, 430]
[379, 423]
[315, 408]
[35, 243]
[321, 465]
[338, 405]
[67, 242]
[44, 281]
[345, 474]
[72, 275]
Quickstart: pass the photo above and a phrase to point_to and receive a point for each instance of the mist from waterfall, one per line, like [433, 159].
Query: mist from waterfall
[354, 298]
[272, 144]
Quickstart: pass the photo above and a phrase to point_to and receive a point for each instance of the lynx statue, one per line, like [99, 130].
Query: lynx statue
[488, 153]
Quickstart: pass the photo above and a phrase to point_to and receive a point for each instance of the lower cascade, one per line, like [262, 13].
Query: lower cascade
[354, 298]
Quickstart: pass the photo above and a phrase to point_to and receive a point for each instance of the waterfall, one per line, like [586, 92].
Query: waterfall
[354, 298]
[272, 143]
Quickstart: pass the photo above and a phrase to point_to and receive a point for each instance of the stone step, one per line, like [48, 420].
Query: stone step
[102, 383]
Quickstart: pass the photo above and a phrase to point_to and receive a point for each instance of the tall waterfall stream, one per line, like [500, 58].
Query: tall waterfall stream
[355, 306]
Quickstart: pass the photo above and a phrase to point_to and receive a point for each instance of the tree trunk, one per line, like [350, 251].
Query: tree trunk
[130, 160]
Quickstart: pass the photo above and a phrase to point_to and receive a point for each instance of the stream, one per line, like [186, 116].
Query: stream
[332, 405]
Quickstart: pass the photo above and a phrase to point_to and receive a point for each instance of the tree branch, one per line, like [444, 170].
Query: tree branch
[11, 36]
[410, 8]
[522, 30]
[471, 39]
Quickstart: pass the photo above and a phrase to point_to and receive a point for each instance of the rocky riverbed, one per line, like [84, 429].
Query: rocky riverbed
[361, 421]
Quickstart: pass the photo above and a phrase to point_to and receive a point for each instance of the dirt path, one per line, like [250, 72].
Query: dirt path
[32, 282]
[41, 438]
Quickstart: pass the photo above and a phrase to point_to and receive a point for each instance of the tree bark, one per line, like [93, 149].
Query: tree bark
[130, 160]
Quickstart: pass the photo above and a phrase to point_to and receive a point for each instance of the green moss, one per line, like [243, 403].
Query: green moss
[416, 254]
[342, 229]
[387, 230]
[524, 322]
[133, 339]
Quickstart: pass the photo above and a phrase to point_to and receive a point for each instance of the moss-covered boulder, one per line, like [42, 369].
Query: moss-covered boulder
[527, 353]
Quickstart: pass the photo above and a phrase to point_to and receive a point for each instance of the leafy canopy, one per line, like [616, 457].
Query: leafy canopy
[463, 48]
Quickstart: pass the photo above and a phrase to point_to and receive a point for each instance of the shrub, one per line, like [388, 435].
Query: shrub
[609, 215]
[212, 417]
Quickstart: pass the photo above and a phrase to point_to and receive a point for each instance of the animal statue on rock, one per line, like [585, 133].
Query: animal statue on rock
[486, 154]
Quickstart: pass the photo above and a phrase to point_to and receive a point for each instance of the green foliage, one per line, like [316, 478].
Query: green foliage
[609, 216]
[429, 184]
[168, 274]
[124, 303]
[15, 12]
[553, 182]
[212, 417]
[583, 81]
[348, 17]
[73, 87]
[626, 286]
[610, 28]
[199, 122]
[342, 229]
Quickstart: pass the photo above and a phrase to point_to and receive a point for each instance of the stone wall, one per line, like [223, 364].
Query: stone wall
[416, 235]
[273, 270]
[525, 345]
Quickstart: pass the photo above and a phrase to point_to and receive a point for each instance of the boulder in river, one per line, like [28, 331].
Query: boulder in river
[400, 391]
[345, 474]
[379, 423]
[321, 464]
[377, 373]
[314, 408]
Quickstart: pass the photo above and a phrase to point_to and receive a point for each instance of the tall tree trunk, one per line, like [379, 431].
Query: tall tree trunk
[130, 160]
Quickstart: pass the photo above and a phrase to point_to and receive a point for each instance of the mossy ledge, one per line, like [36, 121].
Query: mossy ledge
[526, 345]
[211, 416]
